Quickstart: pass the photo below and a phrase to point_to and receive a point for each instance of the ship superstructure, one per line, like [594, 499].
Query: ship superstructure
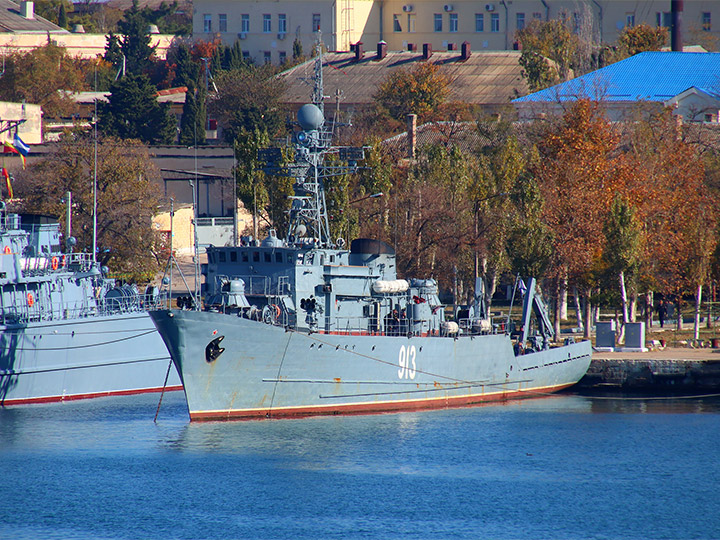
[66, 331]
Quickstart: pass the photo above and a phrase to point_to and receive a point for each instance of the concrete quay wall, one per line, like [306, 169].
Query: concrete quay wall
[671, 370]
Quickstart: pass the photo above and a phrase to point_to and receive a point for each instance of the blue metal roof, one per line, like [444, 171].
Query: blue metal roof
[649, 76]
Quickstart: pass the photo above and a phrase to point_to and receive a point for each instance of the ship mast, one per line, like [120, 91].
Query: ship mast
[308, 213]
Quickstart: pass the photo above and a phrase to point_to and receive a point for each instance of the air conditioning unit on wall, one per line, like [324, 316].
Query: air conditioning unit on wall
[281, 35]
[489, 7]
[448, 7]
[407, 8]
[242, 35]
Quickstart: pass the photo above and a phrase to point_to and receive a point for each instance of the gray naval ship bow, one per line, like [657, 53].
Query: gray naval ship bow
[304, 326]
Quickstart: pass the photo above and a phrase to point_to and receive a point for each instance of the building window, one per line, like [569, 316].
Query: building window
[479, 22]
[245, 23]
[630, 19]
[664, 19]
[396, 23]
[316, 22]
[437, 18]
[282, 23]
[520, 20]
[222, 22]
[267, 58]
[207, 22]
[411, 22]
[453, 22]
[706, 21]
[537, 16]
[495, 22]
[708, 118]
[282, 57]
[267, 23]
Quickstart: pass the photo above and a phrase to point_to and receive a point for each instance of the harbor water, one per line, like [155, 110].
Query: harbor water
[561, 467]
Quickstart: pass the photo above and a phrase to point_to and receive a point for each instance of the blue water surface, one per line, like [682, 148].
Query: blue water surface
[564, 467]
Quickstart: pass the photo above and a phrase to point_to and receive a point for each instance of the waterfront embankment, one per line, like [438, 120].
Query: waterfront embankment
[669, 370]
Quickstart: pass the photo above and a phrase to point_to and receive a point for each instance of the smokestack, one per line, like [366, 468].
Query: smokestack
[676, 37]
[412, 134]
[27, 10]
[359, 51]
[381, 50]
[427, 51]
[465, 51]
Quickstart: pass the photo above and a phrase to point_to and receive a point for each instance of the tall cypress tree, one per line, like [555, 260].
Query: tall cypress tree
[133, 112]
[192, 123]
[187, 71]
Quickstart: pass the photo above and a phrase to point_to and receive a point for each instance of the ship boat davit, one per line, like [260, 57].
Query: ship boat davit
[304, 326]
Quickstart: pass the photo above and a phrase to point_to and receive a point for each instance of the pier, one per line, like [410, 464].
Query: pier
[669, 370]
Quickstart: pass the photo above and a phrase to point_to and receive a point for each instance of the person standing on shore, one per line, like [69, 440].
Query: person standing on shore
[662, 312]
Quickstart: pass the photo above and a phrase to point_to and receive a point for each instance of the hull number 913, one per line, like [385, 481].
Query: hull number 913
[406, 361]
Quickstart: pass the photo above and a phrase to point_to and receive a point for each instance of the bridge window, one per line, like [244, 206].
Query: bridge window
[244, 256]
[268, 257]
[233, 256]
[278, 257]
[256, 256]
[222, 256]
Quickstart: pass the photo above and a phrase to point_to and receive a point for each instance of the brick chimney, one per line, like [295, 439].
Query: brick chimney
[465, 51]
[412, 47]
[427, 51]
[381, 50]
[359, 51]
[412, 134]
[452, 46]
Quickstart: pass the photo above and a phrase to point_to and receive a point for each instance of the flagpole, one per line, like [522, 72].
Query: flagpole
[95, 179]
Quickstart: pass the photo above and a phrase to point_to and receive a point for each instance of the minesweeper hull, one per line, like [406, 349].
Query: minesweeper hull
[266, 371]
[82, 358]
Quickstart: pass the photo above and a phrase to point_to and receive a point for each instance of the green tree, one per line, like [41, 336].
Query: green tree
[135, 43]
[233, 58]
[622, 250]
[187, 70]
[192, 123]
[62, 17]
[266, 196]
[128, 196]
[419, 90]
[248, 100]
[133, 112]
[113, 52]
[297, 53]
[548, 51]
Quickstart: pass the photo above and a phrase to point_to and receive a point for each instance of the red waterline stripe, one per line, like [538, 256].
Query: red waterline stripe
[73, 397]
[373, 408]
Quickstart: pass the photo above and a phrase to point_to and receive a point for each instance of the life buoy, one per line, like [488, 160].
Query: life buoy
[7, 250]
[54, 263]
[30, 299]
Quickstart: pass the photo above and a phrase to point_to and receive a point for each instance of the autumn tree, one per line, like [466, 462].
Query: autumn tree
[419, 90]
[45, 76]
[674, 206]
[127, 195]
[576, 175]
[633, 40]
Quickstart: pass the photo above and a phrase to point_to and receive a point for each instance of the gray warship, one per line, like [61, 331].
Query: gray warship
[66, 331]
[303, 326]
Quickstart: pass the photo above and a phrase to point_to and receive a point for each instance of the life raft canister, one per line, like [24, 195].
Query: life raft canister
[30, 299]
